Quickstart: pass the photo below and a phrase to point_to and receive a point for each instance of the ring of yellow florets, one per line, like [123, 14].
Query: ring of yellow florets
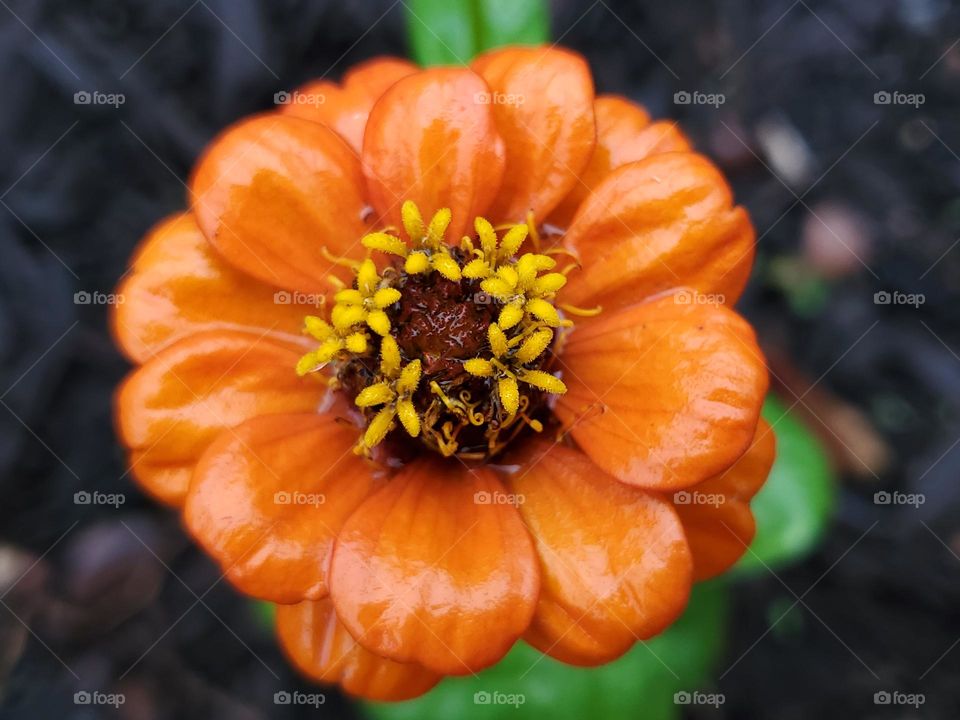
[388, 383]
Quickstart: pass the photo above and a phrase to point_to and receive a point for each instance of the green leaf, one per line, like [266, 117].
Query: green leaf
[452, 32]
[265, 613]
[642, 683]
[794, 507]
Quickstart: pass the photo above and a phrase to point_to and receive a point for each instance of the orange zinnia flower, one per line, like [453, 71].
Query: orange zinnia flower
[519, 405]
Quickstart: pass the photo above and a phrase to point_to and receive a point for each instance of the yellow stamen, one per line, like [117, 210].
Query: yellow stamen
[498, 340]
[412, 221]
[359, 329]
[581, 312]
[509, 394]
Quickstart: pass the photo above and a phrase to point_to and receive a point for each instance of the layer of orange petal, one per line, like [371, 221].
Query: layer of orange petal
[614, 560]
[320, 646]
[346, 108]
[625, 134]
[716, 514]
[167, 483]
[272, 192]
[171, 408]
[431, 139]
[663, 395]
[178, 285]
[542, 100]
[434, 569]
[664, 222]
[269, 496]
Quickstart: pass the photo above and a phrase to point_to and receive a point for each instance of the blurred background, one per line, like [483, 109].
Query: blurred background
[839, 126]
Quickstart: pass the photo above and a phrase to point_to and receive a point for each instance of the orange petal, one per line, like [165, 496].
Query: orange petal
[624, 135]
[716, 513]
[170, 409]
[614, 559]
[664, 222]
[429, 139]
[166, 483]
[268, 498]
[542, 99]
[427, 572]
[345, 109]
[663, 395]
[178, 286]
[272, 192]
[320, 646]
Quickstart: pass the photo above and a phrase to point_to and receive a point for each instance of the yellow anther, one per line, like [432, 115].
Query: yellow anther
[446, 266]
[498, 340]
[438, 226]
[349, 296]
[367, 278]
[534, 345]
[417, 262]
[379, 394]
[356, 343]
[384, 242]
[498, 288]
[509, 276]
[510, 315]
[389, 356]
[543, 381]
[512, 241]
[487, 235]
[379, 427]
[317, 328]
[345, 317]
[408, 417]
[378, 321]
[544, 311]
[409, 378]
[307, 364]
[478, 367]
[549, 284]
[396, 394]
[385, 297]
[328, 350]
[413, 221]
[509, 394]
[476, 269]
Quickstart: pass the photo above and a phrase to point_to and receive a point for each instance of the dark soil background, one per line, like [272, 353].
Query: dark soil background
[849, 197]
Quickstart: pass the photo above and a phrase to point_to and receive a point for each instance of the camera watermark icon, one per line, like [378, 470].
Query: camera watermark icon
[95, 697]
[482, 298]
[886, 697]
[885, 297]
[499, 98]
[95, 97]
[686, 97]
[83, 297]
[483, 497]
[85, 497]
[283, 497]
[285, 297]
[695, 497]
[485, 697]
[283, 697]
[883, 497]
[286, 97]
[696, 697]
[692, 297]
[895, 97]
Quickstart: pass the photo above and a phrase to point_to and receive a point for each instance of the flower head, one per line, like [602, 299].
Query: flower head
[457, 390]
